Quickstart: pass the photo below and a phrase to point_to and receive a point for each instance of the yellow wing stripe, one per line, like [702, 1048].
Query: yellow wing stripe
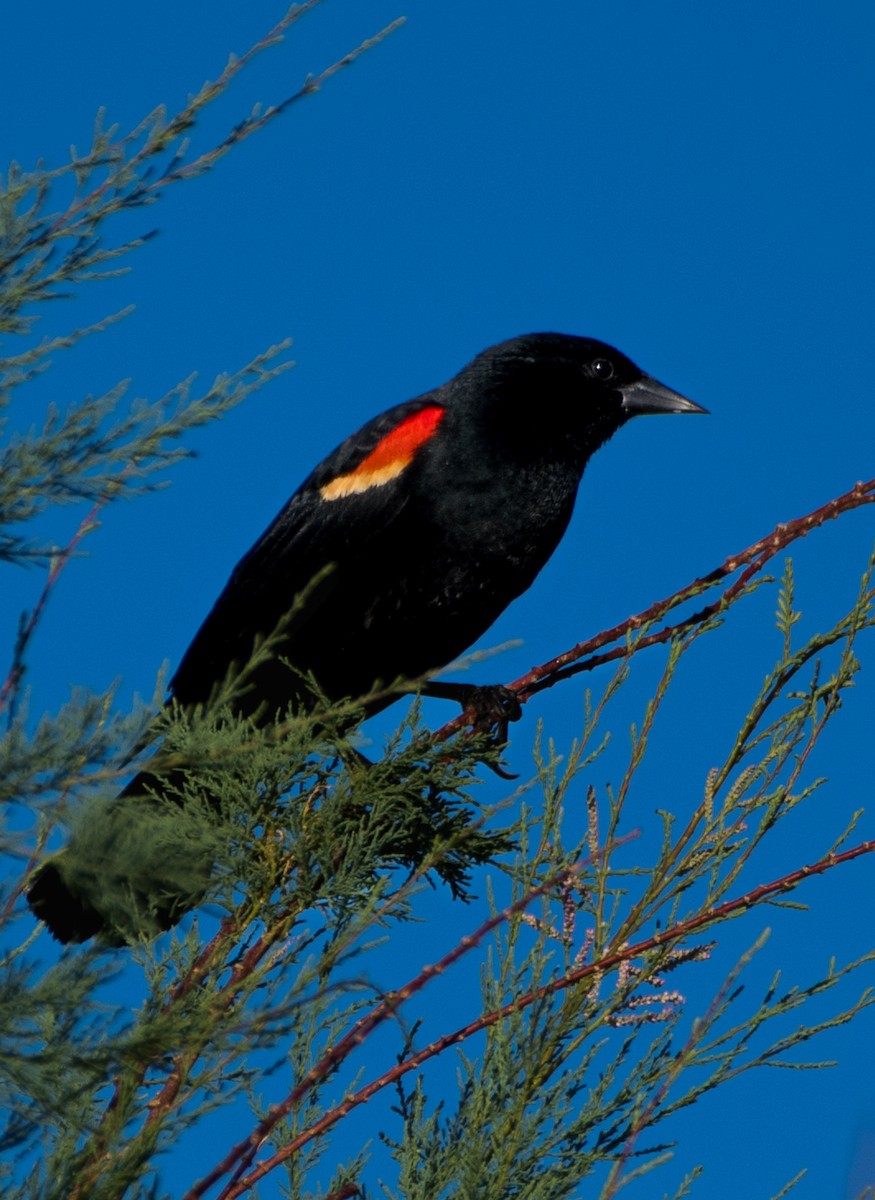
[390, 456]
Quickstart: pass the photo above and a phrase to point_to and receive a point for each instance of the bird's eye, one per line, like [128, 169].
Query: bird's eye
[603, 369]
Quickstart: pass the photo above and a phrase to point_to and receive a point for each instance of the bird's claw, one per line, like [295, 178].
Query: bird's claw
[493, 708]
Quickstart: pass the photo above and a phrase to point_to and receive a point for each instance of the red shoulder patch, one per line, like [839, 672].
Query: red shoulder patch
[389, 457]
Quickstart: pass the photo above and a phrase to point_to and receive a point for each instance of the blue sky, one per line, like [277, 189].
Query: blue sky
[691, 182]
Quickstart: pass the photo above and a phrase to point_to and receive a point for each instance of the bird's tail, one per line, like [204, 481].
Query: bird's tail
[132, 869]
[68, 915]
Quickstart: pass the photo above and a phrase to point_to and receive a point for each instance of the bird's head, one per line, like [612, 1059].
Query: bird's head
[567, 390]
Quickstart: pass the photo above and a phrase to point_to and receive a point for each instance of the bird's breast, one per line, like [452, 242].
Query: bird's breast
[513, 514]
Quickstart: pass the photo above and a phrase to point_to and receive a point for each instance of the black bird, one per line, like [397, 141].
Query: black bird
[432, 518]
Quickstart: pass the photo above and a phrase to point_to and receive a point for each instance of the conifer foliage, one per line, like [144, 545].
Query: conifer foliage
[576, 1044]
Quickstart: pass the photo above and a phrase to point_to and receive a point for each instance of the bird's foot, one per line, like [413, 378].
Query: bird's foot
[495, 707]
[491, 708]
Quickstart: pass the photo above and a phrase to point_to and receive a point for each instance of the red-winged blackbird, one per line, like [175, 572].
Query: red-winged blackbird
[432, 518]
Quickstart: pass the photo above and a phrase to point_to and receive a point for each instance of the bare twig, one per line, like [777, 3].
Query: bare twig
[606, 963]
[241, 1156]
[253, 124]
[66, 222]
[753, 559]
[642, 1119]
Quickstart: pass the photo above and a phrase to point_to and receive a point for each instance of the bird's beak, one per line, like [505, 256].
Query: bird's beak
[647, 395]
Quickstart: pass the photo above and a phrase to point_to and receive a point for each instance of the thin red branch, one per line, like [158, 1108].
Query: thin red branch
[228, 993]
[642, 1119]
[124, 1083]
[225, 997]
[754, 558]
[240, 1156]
[607, 963]
[182, 1063]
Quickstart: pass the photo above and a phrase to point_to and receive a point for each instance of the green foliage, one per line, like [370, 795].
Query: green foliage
[578, 1068]
[269, 811]
[308, 864]
[91, 453]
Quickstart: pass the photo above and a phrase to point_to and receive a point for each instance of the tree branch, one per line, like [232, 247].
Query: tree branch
[241, 1156]
[754, 558]
[607, 962]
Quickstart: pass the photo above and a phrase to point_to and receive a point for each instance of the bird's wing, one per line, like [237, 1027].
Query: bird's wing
[327, 526]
